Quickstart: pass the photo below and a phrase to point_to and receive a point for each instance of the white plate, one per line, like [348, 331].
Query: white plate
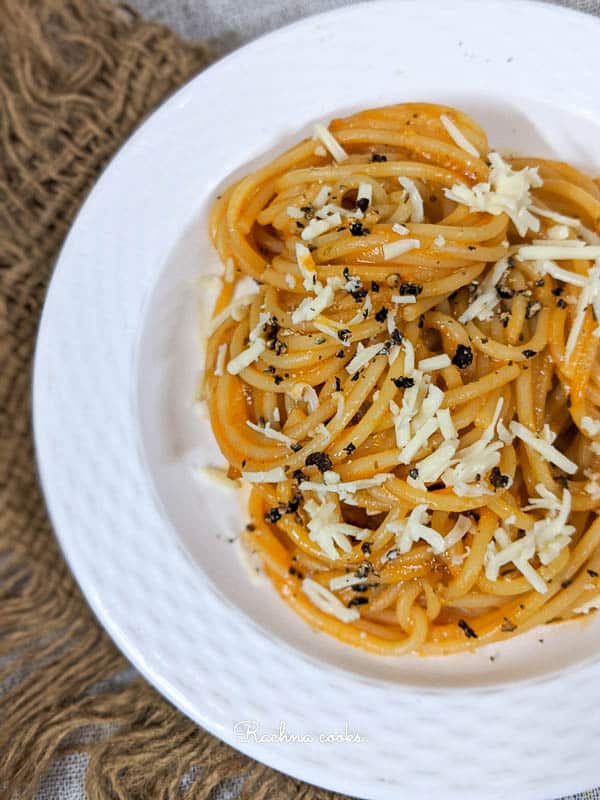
[116, 367]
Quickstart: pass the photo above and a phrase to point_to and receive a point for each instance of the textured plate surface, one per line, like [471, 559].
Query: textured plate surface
[117, 439]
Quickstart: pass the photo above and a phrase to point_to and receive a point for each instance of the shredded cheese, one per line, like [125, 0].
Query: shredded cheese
[254, 350]
[330, 142]
[556, 251]
[434, 362]
[487, 297]
[275, 475]
[327, 602]
[506, 192]
[317, 227]
[541, 446]
[394, 249]
[416, 201]
[220, 363]
[271, 433]
[458, 136]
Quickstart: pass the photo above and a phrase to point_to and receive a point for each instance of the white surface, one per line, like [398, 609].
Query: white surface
[115, 370]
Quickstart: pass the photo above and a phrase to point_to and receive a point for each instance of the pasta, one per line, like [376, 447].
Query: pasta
[412, 389]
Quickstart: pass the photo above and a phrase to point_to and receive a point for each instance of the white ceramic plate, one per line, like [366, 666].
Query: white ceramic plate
[116, 368]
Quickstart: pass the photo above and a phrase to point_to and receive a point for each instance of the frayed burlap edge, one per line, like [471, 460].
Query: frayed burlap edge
[76, 76]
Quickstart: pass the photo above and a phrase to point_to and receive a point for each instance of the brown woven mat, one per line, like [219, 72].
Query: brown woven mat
[76, 76]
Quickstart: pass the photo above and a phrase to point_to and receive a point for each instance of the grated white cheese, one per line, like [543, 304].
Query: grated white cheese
[365, 192]
[290, 280]
[506, 192]
[316, 227]
[458, 137]
[330, 208]
[591, 605]
[294, 212]
[275, 475]
[220, 362]
[546, 539]
[558, 232]
[541, 446]
[271, 433]
[431, 468]
[320, 151]
[330, 142]
[547, 267]
[322, 196]
[364, 355]
[303, 392]
[329, 332]
[403, 299]
[401, 230]
[446, 423]
[561, 219]
[434, 362]
[590, 426]
[233, 310]
[413, 528]
[439, 241]
[254, 350]
[327, 529]
[327, 602]
[217, 476]
[229, 272]
[556, 251]
[418, 440]
[345, 489]
[416, 201]
[474, 461]
[589, 295]
[487, 297]
[461, 527]
[398, 248]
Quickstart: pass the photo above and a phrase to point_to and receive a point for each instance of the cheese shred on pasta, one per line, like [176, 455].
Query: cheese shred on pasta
[413, 390]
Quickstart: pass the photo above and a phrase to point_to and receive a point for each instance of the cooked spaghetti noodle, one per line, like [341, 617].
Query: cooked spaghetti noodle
[412, 389]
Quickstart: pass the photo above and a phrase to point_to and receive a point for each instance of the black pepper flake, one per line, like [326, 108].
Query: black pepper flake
[299, 224]
[273, 515]
[432, 198]
[356, 229]
[278, 379]
[467, 629]
[412, 289]
[396, 336]
[508, 626]
[355, 377]
[319, 460]
[350, 448]
[529, 353]
[560, 303]
[363, 204]
[463, 357]
[484, 340]
[471, 247]
[344, 335]
[392, 555]
[359, 294]
[306, 209]
[562, 481]
[280, 348]
[250, 527]
[381, 315]
[413, 473]
[378, 157]
[296, 446]
[505, 294]
[403, 383]
[362, 587]
[558, 291]
[295, 572]
[510, 261]
[338, 383]
[340, 354]
[498, 480]
[374, 286]
[366, 548]
[592, 573]
[299, 476]
[358, 601]
[539, 283]
[270, 370]
[566, 584]
[421, 323]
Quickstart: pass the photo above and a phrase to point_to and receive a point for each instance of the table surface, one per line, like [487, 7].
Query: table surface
[227, 24]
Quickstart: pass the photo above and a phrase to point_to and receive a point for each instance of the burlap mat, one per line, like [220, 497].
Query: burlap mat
[76, 76]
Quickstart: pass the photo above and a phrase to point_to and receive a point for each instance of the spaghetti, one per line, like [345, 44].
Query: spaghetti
[412, 389]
